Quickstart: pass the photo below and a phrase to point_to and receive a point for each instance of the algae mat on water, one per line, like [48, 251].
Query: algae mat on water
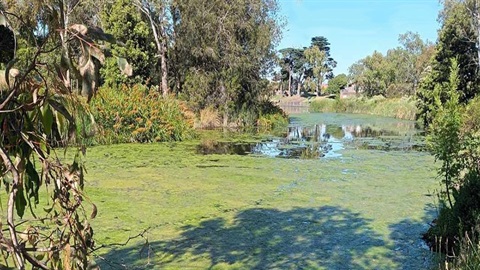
[366, 210]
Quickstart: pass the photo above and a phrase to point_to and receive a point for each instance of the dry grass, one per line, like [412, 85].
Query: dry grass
[209, 118]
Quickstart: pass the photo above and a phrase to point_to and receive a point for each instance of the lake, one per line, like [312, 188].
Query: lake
[333, 191]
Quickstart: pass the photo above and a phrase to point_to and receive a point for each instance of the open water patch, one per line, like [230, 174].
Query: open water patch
[332, 133]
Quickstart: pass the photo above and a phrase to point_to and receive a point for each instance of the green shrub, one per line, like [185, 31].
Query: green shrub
[454, 140]
[467, 202]
[442, 236]
[271, 117]
[456, 228]
[139, 114]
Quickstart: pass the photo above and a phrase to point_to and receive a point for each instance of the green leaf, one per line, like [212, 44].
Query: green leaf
[32, 181]
[61, 125]
[7, 180]
[63, 118]
[20, 202]
[47, 119]
[61, 109]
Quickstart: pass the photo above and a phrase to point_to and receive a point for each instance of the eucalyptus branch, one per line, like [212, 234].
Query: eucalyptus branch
[140, 235]
[34, 261]
[11, 205]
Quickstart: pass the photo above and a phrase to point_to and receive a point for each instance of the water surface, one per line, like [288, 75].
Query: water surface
[324, 135]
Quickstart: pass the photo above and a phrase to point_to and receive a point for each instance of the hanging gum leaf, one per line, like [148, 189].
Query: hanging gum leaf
[20, 202]
[3, 20]
[94, 211]
[47, 119]
[32, 181]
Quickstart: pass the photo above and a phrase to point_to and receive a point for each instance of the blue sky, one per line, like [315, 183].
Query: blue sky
[355, 28]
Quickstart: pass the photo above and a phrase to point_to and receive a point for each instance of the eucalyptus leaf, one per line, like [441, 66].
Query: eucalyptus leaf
[61, 109]
[61, 124]
[20, 202]
[32, 181]
[124, 66]
[97, 53]
[47, 119]
[3, 20]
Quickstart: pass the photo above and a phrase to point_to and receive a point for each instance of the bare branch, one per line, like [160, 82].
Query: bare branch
[11, 205]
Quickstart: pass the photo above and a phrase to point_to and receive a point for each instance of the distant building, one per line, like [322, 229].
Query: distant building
[349, 91]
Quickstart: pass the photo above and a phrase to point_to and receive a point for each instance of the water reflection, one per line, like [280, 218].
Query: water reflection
[326, 140]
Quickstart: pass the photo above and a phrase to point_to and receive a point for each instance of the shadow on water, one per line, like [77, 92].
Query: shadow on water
[303, 238]
[225, 148]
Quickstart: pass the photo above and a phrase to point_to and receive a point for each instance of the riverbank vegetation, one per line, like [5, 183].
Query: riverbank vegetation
[449, 108]
[384, 85]
[402, 108]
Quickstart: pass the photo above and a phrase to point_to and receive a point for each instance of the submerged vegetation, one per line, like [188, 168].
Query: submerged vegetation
[230, 211]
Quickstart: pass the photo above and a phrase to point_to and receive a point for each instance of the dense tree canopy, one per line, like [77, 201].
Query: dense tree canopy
[307, 67]
[221, 50]
[123, 20]
[458, 38]
[397, 73]
[337, 83]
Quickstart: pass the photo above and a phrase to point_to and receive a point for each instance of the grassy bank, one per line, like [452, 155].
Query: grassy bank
[402, 108]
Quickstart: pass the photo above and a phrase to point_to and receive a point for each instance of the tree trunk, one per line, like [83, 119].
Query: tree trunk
[477, 24]
[64, 39]
[223, 92]
[299, 87]
[163, 66]
[160, 37]
[290, 83]
[319, 84]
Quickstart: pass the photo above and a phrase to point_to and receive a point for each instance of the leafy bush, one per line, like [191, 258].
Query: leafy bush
[455, 141]
[271, 116]
[139, 114]
[467, 202]
[442, 236]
